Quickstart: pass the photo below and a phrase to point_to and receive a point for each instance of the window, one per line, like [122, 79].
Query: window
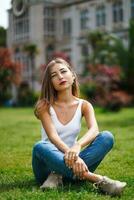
[100, 16]
[49, 12]
[49, 26]
[84, 19]
[23, 59]
[49, 52]
[84, 50]
[21, 27]
[117, 12]
[49, 21]
[132, 8]
[67, 27]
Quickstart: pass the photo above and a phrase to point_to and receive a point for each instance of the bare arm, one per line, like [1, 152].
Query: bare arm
[42, 114]
[93, 131]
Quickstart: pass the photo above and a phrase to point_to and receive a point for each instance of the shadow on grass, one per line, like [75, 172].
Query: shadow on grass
[76, 187]
[25, 184]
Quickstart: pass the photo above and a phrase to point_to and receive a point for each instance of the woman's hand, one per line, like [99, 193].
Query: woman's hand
[72, 155]
[79, 167]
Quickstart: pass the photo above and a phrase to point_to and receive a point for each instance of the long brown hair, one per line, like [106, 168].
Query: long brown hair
[47, 90]
[48, 93]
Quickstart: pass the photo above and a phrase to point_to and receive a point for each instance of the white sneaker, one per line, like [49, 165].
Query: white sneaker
[53, 181]
[109, 186]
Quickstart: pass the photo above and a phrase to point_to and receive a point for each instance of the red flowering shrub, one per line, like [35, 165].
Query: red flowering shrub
[103, 87]
[9, 73]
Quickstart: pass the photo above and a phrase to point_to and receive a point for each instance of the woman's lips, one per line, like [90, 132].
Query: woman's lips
[62, 82]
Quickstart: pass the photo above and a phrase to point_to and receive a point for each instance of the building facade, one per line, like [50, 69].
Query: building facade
[62, 26]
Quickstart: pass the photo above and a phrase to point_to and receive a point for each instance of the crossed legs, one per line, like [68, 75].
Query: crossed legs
[47, 158]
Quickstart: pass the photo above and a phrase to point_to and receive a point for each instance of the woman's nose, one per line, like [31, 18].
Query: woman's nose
[60, 76]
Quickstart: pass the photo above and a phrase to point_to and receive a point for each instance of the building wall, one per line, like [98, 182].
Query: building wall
[36, 31]
[59, 41]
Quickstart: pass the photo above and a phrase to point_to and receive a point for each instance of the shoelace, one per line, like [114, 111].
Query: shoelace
[97, 184]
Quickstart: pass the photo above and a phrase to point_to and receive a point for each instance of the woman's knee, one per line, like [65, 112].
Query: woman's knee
[107, 138]
[37, 146]
[43, 147]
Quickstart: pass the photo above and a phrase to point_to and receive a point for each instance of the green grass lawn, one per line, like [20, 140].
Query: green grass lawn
[19, 130]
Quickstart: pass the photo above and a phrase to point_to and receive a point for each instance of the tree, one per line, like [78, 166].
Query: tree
[10, 72]
[109, 63]
[130, 66]
[32, 51]
[106, 49]
[2, 37]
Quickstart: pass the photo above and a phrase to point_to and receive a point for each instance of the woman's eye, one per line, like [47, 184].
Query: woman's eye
[63, 71]
[53, 76]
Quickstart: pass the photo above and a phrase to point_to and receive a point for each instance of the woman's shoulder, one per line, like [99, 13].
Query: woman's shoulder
[41, 107]
[79, 99]
[84, 101]
[86, 105]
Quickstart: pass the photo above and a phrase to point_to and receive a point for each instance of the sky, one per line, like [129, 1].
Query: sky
[4, 5]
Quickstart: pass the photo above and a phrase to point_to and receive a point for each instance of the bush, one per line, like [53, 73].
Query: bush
[117, 99]
[88, 90]
[9, 74]
[26, 96]
[102, 87]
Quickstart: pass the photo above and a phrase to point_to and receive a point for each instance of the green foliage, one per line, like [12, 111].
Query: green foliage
[88, 90]
[107, 49]
[110, 50]
[32, 51]
[26, 96]
[19, 130]
[130, 66]
[102, 87]
[5, 86]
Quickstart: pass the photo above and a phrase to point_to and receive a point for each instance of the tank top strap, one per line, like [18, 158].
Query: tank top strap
[80, 105]
[81, 101]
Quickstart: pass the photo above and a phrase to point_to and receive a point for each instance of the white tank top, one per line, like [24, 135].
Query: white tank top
[68, 132]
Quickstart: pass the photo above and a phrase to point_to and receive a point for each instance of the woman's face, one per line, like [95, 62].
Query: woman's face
[61, 76]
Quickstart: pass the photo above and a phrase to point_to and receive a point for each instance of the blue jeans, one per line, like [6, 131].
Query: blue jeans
[47, 158]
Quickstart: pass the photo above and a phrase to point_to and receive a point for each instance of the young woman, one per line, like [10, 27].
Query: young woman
[59, 154]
